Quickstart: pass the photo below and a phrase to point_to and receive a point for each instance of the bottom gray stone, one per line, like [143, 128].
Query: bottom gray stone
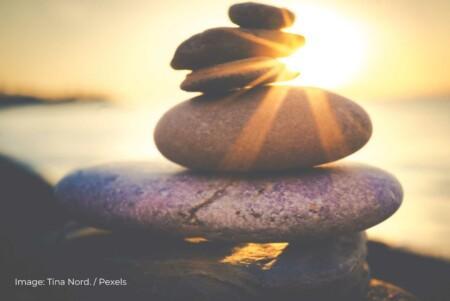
[159, 269]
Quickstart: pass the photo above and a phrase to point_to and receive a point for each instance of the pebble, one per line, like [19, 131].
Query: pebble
[257, 15]
[262, 129]
[237, 74]
[384, 291]
[225, 44]
[173, 202]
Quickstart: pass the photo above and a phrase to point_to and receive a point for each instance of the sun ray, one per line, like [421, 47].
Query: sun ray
[286, 48]
[245, 150]
[271, 69]
[263, 255]
[328, 129]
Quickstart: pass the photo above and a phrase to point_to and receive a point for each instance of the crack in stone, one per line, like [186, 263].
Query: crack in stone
[192, 217]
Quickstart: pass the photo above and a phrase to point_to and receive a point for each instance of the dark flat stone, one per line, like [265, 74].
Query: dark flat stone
[225, 44]
[244, 73]
[411, 271]
[313, 203]
[257, 15]
[175, 270]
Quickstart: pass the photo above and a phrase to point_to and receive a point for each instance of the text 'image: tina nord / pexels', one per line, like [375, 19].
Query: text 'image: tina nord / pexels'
[274, 162]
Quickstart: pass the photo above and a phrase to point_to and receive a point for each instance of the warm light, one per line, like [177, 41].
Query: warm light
[195, 240]
[334, 50]
[262, 255]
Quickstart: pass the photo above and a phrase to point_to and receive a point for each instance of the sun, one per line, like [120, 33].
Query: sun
[334, 51]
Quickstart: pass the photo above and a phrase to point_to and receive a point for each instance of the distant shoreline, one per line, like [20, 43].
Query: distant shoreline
[13, 100]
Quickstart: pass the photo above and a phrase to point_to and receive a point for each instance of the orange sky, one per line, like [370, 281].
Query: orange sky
[123, 48]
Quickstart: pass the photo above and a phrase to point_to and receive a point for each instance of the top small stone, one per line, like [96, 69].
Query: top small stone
[257, 15]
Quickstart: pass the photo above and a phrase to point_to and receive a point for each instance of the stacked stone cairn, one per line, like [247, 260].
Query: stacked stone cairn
[257, 215]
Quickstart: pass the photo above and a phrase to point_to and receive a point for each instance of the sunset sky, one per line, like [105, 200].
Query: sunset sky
[364, 49]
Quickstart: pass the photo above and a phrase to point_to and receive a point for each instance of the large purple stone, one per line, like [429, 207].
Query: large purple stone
[308, 204]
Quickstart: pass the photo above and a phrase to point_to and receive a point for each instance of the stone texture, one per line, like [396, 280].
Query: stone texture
[383, 291]
[257, 15]
[223, 44]
[237, 74]
[314, 203]
[262, 129]
[335, 270]
[174, 270]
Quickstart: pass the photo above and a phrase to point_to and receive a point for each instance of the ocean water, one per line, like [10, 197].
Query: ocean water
[411, 140]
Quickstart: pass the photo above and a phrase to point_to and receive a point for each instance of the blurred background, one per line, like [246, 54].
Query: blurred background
[84, 82]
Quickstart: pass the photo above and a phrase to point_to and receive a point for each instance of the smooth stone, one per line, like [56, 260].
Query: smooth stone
[336, 269]
[28, 210]
[176, 270]
[237, 74]
[262, 129]
[225, 44]
[257, 15]
[310, 204]
[383, 291]
[27, 204]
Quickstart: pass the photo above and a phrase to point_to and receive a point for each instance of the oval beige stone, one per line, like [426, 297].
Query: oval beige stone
[263, 129]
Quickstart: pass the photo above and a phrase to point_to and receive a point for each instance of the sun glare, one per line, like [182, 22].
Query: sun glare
[334, 51]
